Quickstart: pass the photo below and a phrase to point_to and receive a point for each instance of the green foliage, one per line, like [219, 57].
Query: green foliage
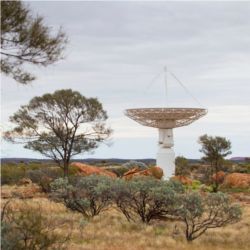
[60, 125]
[88, 195]
[26, 40]
[119, 170]
[196, 185]
[145, 198]
[181, 166]
[241, 168]
[199, 213]
[29, 229]
[134, 164]
[12, 173]
[44, 176]
[214, 150]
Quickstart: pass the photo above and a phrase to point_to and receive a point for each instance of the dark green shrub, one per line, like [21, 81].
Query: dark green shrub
[88, 195]
[44, 176]
[199, 213]
[145, 198]
[29, 229]
[12, 173]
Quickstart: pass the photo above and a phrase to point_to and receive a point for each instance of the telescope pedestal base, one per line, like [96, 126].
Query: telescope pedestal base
[166, 161]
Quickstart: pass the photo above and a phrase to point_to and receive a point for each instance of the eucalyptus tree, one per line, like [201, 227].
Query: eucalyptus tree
[214, 150]
[60, 125]
[26, 39]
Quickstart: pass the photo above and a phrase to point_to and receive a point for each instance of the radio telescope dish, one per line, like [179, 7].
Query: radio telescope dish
[165, 119]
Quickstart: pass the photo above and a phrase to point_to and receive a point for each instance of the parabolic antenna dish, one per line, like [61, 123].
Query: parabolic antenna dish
[165, 118]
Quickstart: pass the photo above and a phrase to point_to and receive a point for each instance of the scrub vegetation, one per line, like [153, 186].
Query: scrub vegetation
[111, 230]
[44, 210]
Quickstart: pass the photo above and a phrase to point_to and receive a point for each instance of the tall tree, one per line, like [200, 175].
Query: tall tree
[60, 125]
[214, 150]
[26, 40]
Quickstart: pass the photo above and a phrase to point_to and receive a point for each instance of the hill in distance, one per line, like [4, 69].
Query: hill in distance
[109, 160]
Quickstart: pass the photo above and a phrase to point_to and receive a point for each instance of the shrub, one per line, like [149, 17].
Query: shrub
[134, 164]
[29, 229]
[119, 170]
[146, 198]
[199, 213]
[195, 185]
[241, 168]
[88, 195]
[12, 173]
[44, 176]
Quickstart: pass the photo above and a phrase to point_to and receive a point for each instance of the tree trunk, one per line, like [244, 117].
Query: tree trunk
[216, 184]
[66, 169]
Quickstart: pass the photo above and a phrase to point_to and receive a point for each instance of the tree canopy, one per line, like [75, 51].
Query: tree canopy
[60, 125]
[26, 40]
[214, 150]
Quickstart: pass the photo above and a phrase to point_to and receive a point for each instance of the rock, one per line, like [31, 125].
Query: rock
[129, 174]
[155, 172]
[84, 169]
[183, 179]
[219, 177]
[237, 180]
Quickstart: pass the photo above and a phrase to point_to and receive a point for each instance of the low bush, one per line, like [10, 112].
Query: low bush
[29, 229]
[146, 198]
[195, 185]
[44, 176]
[242, 168]
[88, 195]
[134, 164]
[119, 170]
[199, 213]
[12, 173]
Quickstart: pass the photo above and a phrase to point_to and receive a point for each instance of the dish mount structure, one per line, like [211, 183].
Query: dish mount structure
[165, 119]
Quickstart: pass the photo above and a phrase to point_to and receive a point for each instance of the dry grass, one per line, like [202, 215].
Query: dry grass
[111, 231]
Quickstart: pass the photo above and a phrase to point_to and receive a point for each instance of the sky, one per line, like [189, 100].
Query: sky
[115, 52]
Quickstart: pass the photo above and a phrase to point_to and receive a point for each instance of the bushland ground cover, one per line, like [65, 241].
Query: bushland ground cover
[111, 231]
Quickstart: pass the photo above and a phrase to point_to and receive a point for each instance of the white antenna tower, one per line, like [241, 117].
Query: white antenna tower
[165, 119]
